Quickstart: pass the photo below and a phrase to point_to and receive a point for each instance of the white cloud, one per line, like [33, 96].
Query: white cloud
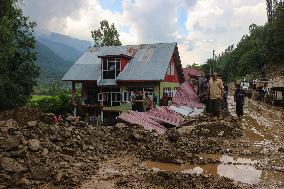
[211, 24]
[214, 24]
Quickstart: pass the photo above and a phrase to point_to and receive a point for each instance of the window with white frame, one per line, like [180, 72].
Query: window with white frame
[126, 96]
[110, 98]
[129, 93]
[171, 69]
[110, 68]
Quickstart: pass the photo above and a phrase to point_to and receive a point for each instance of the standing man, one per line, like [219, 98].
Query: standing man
[139, 101]
[148, 103]
[132, 100]
[204, 91]
[239, 98]
[164, 100]
[216, 94]
[225, 98]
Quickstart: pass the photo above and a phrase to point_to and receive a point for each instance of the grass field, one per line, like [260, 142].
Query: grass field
[39, 97]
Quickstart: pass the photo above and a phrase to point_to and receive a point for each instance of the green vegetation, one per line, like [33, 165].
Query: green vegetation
[106, 35]
[18, 72]
[262, 47]
[36, 98]
[60, 104]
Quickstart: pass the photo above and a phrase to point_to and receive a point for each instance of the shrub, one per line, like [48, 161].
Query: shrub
[60, 104]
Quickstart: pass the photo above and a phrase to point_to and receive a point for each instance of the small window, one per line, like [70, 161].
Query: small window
[172, 69]
[125, 96]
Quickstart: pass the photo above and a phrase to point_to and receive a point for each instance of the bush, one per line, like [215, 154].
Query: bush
[60, 104]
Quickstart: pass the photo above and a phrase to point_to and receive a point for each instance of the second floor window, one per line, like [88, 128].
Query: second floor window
[110, 68]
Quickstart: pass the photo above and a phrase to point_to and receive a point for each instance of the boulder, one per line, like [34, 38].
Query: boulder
[136, 136]
[34, 144]
[23, 182]
[8, 125]
[221, 134]
[45, 152]
[11, 165]
[11, 123]
[11, 142]
[32, 123]
[120, 125]
[70, 118]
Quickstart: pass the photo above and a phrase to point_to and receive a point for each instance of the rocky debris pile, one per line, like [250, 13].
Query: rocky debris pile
[37, 153]
[223, 129]
[204, 126]
[33, 153]
[22, 115]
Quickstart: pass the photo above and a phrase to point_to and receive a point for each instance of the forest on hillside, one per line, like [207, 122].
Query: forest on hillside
[262, 48]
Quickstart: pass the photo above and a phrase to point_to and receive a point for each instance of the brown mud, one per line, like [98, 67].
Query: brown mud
[203, 153]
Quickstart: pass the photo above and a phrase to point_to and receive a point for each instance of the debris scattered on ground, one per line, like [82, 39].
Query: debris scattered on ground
[70, 152]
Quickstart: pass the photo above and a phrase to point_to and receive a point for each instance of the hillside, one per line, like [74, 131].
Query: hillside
[52, 67]
[79, 45]
[64, 51]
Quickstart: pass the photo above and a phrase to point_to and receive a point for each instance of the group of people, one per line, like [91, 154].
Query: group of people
[216, 94]
[141, 104]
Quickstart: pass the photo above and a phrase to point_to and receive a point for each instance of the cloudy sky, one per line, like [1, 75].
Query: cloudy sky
[198, 26]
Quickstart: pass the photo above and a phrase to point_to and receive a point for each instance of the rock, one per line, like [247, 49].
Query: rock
[34, 144]
[11, 165]
[40, 173]
[136, 136]
[8, 125]
[205, 130]
[84, 146]
[60, 175]
[221, 134]
[179, 161]
[45, 152]
[11, 123]
[91, 147]
[23, 182]
[120, 125]
[11, 142]
[32, 123]
[70, 118]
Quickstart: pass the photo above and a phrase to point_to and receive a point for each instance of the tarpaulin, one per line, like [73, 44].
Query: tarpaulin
[186, 96]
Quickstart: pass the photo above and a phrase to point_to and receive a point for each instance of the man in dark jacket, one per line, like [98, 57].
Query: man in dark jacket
[239, 99]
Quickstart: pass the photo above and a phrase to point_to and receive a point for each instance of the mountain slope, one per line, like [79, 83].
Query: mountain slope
[64, 51]
[52, 67]
[79, 45]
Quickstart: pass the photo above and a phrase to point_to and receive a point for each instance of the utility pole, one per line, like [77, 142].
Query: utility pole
[213, 62]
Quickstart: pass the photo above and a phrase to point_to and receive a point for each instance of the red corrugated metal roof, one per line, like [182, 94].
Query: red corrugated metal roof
[187, 72]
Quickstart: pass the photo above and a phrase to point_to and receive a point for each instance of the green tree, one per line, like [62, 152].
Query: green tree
[17, 70]
[106, 35]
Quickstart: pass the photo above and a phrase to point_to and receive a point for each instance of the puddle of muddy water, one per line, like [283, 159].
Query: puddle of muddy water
[238, 169]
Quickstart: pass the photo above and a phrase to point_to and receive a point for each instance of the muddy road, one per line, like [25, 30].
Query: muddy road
[253, 160]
